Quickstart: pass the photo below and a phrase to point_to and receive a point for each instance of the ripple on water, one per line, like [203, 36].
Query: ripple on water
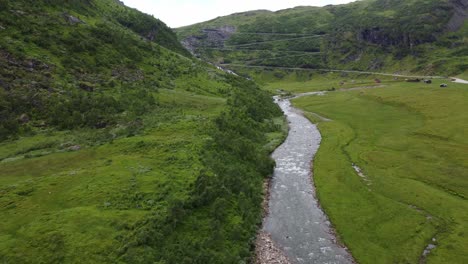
[296, 222]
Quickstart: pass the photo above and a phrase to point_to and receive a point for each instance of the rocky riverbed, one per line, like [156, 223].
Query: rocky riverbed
[296, 230]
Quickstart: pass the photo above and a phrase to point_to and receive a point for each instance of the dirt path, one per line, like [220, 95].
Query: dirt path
[333, 70]
[458, 80]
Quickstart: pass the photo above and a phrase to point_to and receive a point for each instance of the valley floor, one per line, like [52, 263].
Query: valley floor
[391, 172]
[61, 205]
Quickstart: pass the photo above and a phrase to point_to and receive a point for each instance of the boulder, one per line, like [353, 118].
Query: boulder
[24, 118]
[72, 20]
[74, 148]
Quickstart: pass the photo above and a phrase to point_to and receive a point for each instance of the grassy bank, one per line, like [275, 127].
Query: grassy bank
[151, 196]
[410, 140]
[76, 205]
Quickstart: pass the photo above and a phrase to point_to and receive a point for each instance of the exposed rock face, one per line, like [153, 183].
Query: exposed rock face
[217, 37]
[152, 34]
[386, 37]
[459, 16]
[24, 118]
[72, 20]
[191, 43]
[30, 69]
[381, 37]
[209, 38]
[74, 148]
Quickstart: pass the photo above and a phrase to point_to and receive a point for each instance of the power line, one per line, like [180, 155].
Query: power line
[288, 51]
[331, 70]
[262, 42]
[280, 57]
[275, 34]
[270, 41]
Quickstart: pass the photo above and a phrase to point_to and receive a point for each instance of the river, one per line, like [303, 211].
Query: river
[295, 220]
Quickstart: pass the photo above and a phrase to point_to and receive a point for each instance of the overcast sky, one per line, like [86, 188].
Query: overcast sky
[177, 13]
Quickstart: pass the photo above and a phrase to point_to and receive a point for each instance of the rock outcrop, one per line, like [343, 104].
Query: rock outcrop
[460, 15]
[209, 38]
[72, 20]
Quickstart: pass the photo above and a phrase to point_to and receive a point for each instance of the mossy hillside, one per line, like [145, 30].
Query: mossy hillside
[113, 145]
[402, 36]
[295, 26]
[77, 64]
[410, 145]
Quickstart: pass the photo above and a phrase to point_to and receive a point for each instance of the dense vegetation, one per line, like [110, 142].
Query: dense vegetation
[223, 212]
[68, 65]
[118, 147]
[414, 36]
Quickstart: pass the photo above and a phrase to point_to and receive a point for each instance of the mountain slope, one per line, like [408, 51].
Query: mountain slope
[62, 47]
[414, 36]
[117, 146]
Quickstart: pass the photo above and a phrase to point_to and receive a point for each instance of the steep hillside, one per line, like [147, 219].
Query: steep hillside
[117, 146]
[413, 36]
[421, 36]
[80, 56]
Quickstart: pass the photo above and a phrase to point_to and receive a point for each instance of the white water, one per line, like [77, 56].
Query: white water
[296, 222]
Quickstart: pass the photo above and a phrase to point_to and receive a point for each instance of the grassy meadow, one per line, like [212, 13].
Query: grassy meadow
[410, 141]
[100, 204]
[64, 205]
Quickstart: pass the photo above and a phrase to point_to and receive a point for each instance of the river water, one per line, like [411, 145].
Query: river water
[295, 221]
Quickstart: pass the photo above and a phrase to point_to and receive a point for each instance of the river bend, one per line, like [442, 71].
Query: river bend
[295, 221]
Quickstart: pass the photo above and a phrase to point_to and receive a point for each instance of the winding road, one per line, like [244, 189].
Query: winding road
[295, 221]
[458, 80]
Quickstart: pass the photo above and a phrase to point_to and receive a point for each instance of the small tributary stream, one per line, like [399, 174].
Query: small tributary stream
[295, 221]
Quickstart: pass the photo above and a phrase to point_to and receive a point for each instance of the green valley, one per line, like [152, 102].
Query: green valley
[118, 146]
[125, 141]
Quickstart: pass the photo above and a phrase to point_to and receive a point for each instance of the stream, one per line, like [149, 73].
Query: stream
[295, 222]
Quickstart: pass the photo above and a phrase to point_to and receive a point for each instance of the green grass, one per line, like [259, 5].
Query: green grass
[411, 142]
[308, 81]
[101, 203]
[326, 82]
[463, 76]
[75, 205]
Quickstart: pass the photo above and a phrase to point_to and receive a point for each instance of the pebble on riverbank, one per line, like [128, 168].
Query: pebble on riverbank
[266, 252]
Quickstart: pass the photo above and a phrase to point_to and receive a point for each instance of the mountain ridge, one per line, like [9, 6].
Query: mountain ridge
[362, 35]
